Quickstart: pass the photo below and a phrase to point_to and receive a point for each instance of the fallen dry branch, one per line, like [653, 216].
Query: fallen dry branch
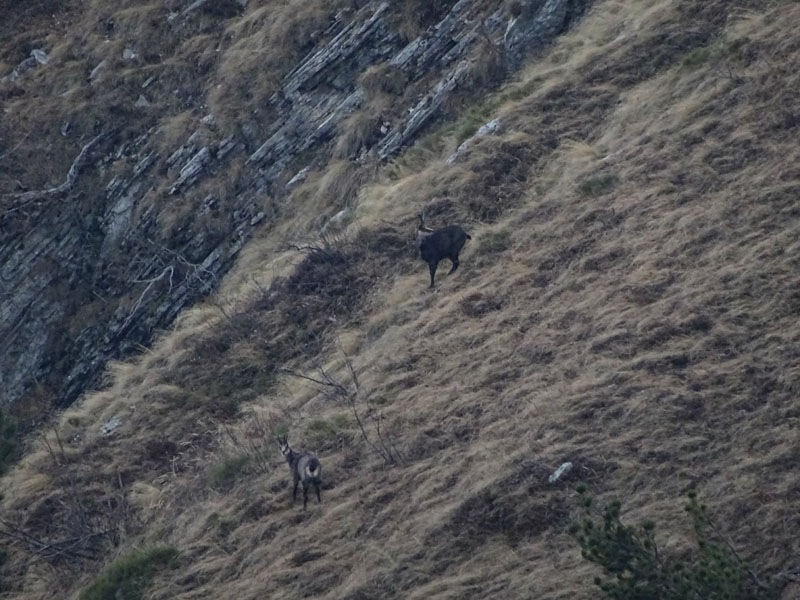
[351, 394]
[19, 200]
[73, 547]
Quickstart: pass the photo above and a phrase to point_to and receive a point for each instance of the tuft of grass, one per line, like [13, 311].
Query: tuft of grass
[226, 472]
[722, 49]
[472, 119]
[593, 187]
[321, 432]
[383, 78]
[495, 242]
[697, 57]
[129, 575]
[523, 90]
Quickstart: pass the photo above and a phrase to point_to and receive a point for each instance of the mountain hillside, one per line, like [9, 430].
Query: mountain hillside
[629, 173]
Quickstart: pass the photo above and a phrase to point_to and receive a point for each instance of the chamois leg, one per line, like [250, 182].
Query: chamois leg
[294, 491]
[432, 266]
[316, 487]
[305, 495]
[455, 264]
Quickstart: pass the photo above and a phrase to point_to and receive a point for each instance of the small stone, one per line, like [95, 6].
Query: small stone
[129, 54]
[561, 471]
[96, 70]
[110, 425]
[40, 56]
[141, 102]
[298, 178]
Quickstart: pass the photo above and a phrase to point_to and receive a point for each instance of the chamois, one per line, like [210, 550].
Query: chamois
[305, 468]
[441, 243]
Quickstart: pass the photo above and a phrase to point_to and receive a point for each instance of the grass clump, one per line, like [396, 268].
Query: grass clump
[472, 119]
[495, 242]
[722, 49]
[593, 187]
[225, 473]
[129, 575]
[637, 569]
[322, 432]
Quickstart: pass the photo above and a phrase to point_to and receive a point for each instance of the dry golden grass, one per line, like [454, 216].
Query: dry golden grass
[639, 320]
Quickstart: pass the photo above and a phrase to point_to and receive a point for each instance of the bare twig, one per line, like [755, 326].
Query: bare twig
[351, 394]
[150, 283]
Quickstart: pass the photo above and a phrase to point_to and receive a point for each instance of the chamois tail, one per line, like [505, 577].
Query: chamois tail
[312, 468]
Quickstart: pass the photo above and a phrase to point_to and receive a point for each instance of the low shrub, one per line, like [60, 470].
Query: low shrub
[637, 569]
[225, 473]
[129, 575]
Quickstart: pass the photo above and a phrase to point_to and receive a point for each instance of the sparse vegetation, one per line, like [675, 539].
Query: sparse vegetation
[227, 471]
[494, 242]
[637, 568]
[325, 432]
[471, 120]
[128, 577]
[592, 187]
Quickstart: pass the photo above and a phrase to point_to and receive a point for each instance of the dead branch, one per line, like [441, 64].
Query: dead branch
[67, 547]
[150, 283]
[351, 394]
[19, 200]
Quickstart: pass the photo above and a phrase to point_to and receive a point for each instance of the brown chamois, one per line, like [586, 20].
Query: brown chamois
[305, 467]
[434, 245]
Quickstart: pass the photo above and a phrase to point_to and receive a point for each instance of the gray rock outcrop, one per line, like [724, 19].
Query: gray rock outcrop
[79, 288]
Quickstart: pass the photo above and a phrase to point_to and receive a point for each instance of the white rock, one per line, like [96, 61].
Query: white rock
[298, 178]
[489, 128]
[96, 70]
[562, 470]
[110, 425]
[40, 56]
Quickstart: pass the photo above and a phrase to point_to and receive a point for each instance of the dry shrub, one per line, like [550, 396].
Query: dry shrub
[172, 130]
[487, 67]
[339, 185]
[383, 78]
[356, 133]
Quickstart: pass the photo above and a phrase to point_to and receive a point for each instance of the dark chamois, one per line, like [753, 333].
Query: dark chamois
[306, 469]
[441, 243]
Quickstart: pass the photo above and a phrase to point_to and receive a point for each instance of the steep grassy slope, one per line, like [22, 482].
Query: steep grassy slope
[629, 303]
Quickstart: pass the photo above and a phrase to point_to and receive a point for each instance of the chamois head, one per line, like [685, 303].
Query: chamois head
[421, 226]
[283, 444]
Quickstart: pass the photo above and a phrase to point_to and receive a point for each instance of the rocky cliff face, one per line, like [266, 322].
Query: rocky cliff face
[92, 264]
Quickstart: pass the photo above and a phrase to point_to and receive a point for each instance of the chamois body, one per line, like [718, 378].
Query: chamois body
[305, 468]
[434, 245]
